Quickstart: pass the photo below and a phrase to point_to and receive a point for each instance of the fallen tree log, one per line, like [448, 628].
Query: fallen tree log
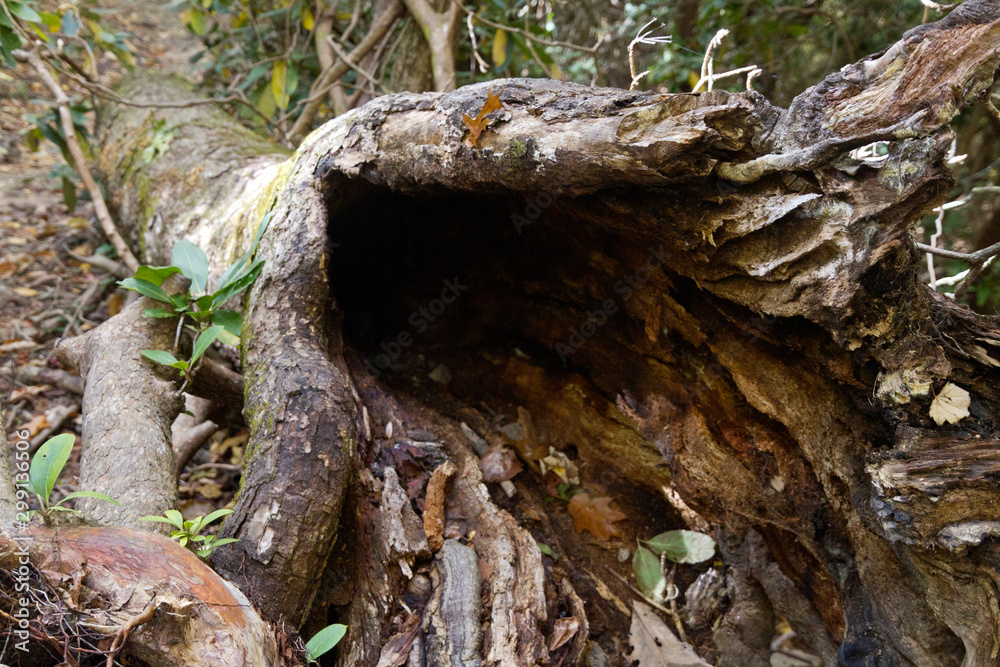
[694, 295]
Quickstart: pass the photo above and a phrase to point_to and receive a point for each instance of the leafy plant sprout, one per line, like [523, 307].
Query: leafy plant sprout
[188, 533]
[324, 640]
[203, 309]
[46, 466]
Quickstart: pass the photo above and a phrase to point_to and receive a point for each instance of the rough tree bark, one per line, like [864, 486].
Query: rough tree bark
[700, 295]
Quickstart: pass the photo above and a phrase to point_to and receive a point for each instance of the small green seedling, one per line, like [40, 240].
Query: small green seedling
[324, 640]
[188, 533]
[203, 309]
[46, 466]
[679, 546]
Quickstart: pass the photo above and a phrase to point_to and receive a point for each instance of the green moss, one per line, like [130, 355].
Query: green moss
[517, 148]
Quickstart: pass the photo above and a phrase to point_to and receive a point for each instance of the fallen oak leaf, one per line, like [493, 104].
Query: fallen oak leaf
[478, 124]
[594, 515]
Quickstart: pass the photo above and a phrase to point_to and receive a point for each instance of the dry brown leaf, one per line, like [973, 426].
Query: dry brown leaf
[478, 124]
[210, 490]
[37, 423]
[950, 405]
[28, 392]
[654, 645]
[499, 464]
[563, 631]
[594, 515]
[115, 303]
[396, 651]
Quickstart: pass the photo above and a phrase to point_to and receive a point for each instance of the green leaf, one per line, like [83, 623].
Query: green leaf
[183, 541]
[23, 12]
[192, 262]
[88, 494]
[48, 462]
[69, 193]
[180, 365]
[9, 40]
[204, 303]
[158, 313]
[230, 320]
[155, 274]
[160, 357]
[648, 574]
[146, 288]
[683, 546]
[204, 341]
[224, 540]
[235, 272]
[234, 288]
[160, 519]
[217, 514]
[324, 640]
[175, 517]
[57, 508]
[70, 24]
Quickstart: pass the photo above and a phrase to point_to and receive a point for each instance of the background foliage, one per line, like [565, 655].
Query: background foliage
[268, 60]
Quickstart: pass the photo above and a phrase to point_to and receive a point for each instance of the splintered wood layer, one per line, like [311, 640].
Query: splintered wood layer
[615, 356]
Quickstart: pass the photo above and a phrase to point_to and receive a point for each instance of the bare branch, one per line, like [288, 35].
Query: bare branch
[100, 207]
[527, 35]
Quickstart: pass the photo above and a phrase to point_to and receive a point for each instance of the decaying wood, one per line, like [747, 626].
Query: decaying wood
[699, 293]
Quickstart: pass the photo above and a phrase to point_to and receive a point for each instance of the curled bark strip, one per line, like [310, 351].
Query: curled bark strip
[434, 505]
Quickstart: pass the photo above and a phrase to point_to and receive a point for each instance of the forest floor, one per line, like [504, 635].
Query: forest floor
[51, 284]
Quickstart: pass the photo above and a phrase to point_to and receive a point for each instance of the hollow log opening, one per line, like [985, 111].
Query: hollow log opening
[491, 306]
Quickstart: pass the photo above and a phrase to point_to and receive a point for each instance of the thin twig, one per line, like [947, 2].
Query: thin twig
[643, 37]
[100, 207]
[357, 68]
[103, 91]
[707, 76]
[751, 70]
[484, 68]
[355, 17]
[970, 257]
